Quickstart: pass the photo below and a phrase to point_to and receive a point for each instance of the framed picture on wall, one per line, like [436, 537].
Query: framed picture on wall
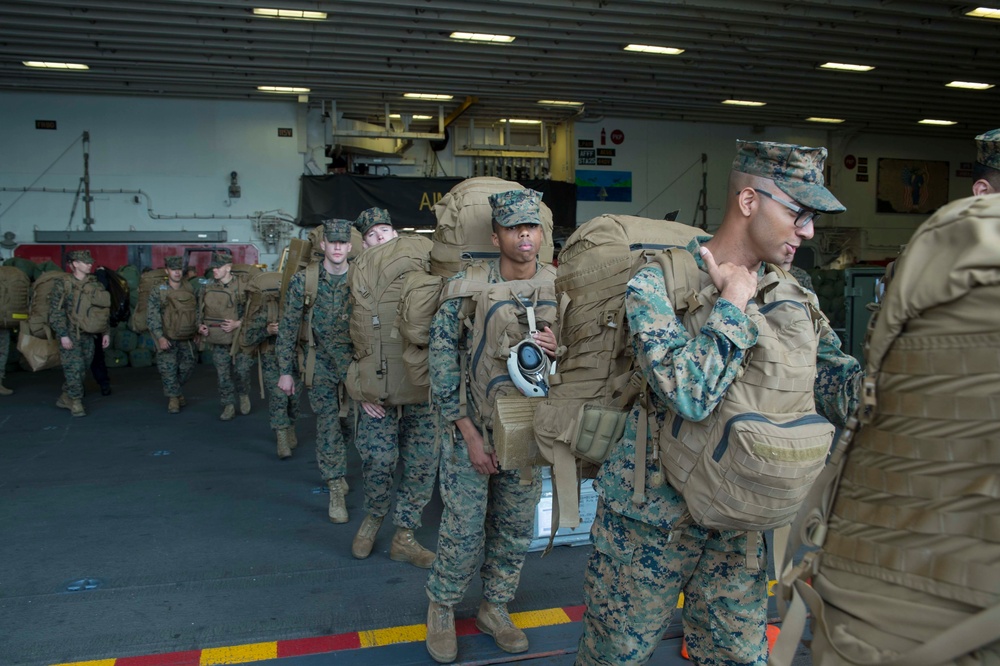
[911, 186]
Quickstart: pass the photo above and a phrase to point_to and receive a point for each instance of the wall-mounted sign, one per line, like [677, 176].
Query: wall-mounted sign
[850, 161]
[605, 152]
[604, 161]
[284, 131]
[45, 124]
[585, 143]
[586, 156]
[617, 137]
[594, 185]
[862, 178]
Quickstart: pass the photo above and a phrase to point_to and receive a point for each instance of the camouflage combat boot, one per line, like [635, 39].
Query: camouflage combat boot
[364, 540]
[173, 406]
[406, 548]
[244, 404]
[494, 620]
[284, 451]
[76, 407]
[64, 402]
[441, 643]
[228, 413]
[181, 401]
[338, 507]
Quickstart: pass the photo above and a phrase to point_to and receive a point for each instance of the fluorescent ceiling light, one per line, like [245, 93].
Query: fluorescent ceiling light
[481, 37]
[970, 85]
[424, 231]
[930, 121]
[846, 67]
[662, 50]
[557, 102]
[984, 12]
[54, 65]
[294, 14]
[288, 90]
[415, 117]
[817, 119]
[427, 96]
[742, 102]
[520, 121]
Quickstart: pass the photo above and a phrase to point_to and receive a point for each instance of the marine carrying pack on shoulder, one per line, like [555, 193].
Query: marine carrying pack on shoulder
[148, 281]
[38, 309]
[905, 516]
[595, 381]
[263, 294]
[15, 291]
[91, 305]
[219, 303]
[180, 312]
[377, 373]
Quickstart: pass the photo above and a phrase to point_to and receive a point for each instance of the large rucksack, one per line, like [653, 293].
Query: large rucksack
[179, 311]
[595, 381]
[117, 286]
[905, 516]
[38, 310]
[377, 373]
[218, 304]
[263, 294]
[149, 280]
[15, 290]
[462, 235]
[90, 311]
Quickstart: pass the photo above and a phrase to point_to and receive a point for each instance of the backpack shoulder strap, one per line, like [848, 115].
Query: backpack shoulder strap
[311, 289]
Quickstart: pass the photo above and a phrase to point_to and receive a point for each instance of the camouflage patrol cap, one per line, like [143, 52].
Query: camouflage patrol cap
[369, 218]
[988, 149]
[796, 170]
[81, 255]
[516, 207]
[337, 230]
[174, 263]
[220, 259]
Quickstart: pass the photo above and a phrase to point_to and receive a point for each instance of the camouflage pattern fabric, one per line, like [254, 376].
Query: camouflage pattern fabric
[516, 207]
[232, 372]
[371, 217]
[796, 170]
[330, 323]
[482, 513]
[75, 361]
[176, 365]
[381, 443]
[632, 582]
[988, 149]
[802, 277]
[691, 376]
[282, 409]
[5, 338]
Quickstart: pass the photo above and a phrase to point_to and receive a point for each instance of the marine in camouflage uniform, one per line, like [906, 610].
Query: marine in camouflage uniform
[986, 171]
[283, 410]
[76, 348]
[331, 333]
[175, 359]
[485, 508]
[646, 553]
[387, 434]
[5, 338]
[232, 370]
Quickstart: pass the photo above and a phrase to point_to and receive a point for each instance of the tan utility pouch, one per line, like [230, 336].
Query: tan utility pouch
[514, 432]
[598, 427]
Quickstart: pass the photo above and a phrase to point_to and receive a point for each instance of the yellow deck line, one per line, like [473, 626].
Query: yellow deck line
[239, 654]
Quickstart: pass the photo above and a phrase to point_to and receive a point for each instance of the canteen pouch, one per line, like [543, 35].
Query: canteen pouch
[598, 427]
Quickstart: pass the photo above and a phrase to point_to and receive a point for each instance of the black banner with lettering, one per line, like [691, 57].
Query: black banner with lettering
[410, 201]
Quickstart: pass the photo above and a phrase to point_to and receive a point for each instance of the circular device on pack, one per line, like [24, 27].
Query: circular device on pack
[528, 367]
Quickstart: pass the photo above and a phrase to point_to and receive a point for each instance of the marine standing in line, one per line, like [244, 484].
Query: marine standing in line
[171, 311]
[283, 410]
[79, 308]
[220, 312]
[646, 548]
[316, 325]
[986, 172]
[382, 437]
[485, 508]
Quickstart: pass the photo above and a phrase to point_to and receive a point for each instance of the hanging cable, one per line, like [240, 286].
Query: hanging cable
[47, 169]
[669, 185]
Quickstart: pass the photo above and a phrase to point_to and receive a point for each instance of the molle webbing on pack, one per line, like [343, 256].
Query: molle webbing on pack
[907, 512]
[38, 308]
[596, 381]
[180, 312]
[218, 303]
[307, 338]
[90, 310]
[15, 294]
[148, 281]
[377, 373]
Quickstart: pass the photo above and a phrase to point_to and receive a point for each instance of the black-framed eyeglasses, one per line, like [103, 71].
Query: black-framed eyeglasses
[803, 216]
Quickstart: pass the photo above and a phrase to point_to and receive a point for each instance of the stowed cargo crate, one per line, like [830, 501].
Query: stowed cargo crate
[565, 536]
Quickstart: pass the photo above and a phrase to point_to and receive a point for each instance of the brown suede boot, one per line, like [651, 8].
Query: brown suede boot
[406, 548]
[76, 407]
[64, 402]
[364, 540]
[173, 406]
[181, 401]
[244, 405]
[338, 507]
[441, 643]
[494, 621]
[228, 413]
[284, 451]
[293, 441]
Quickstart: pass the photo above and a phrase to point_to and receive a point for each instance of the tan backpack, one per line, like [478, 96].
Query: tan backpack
[263, 293]
[91, 305]
[15, 293]
[905, 562]
[376, 279]
[219, 304]
[180, 312]
[148, 281]
[595, 382]
[463, 235]
[38, 308]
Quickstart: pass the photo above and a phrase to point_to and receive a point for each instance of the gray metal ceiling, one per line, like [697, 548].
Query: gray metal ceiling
[369, 52]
